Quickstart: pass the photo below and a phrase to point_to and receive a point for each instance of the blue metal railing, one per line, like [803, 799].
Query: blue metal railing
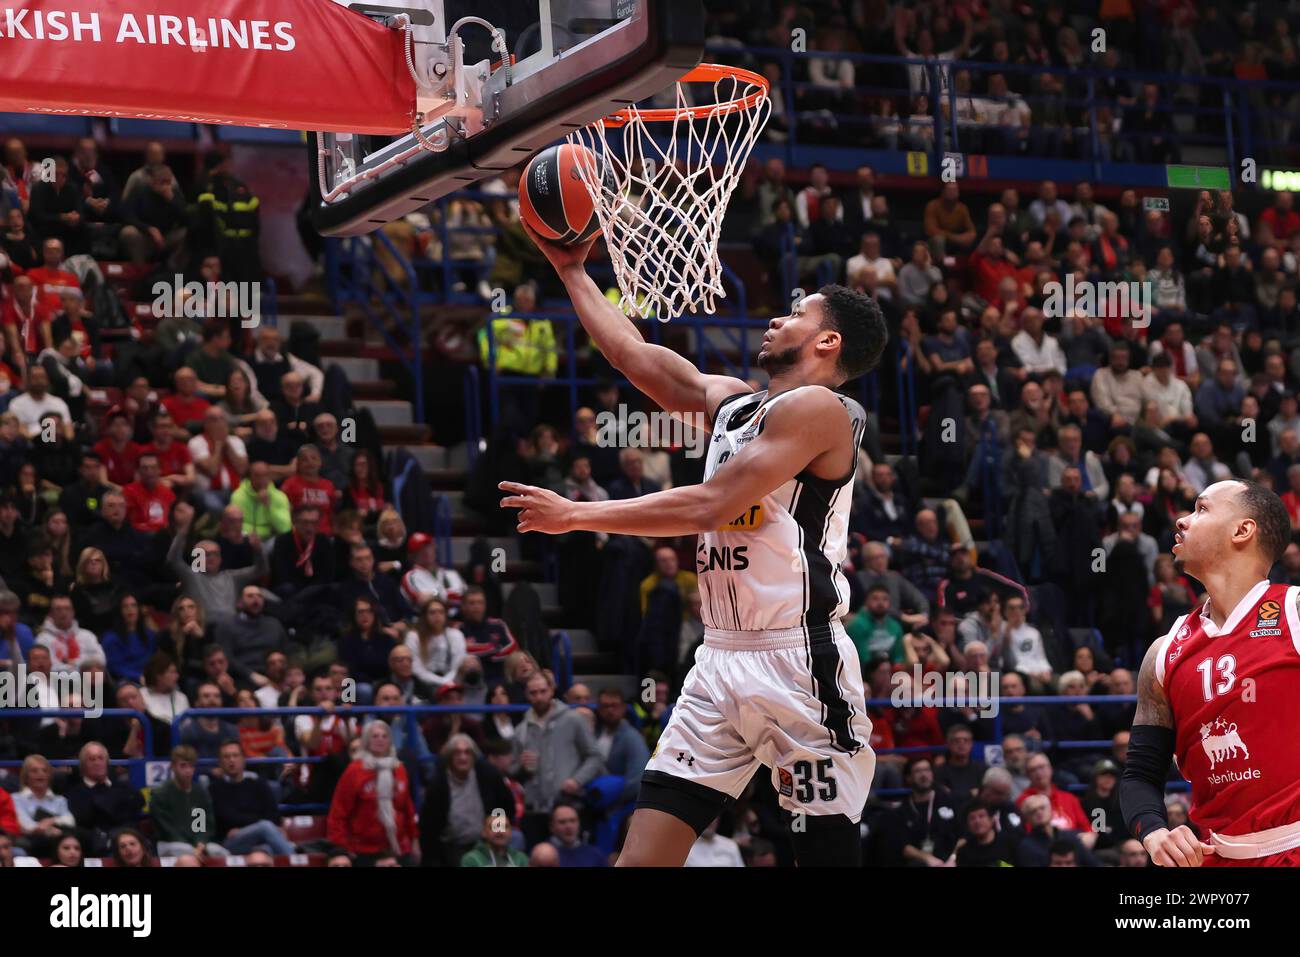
[136, 766]
[473, 415]
[906, 398]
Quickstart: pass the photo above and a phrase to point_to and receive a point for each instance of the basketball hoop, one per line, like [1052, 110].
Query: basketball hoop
[661, 203]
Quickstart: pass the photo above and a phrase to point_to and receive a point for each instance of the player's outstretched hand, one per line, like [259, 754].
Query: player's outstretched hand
[540, 510]
[561, 257]
[1177, 848]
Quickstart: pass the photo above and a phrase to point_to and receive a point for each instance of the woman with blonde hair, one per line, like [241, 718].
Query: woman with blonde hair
[186, 636]
[94, 593]
[43, 816]
[519, 667]
[438, 648]
[372, 813]
[390, 544]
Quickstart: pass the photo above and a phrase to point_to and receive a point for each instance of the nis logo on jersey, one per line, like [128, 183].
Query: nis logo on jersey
[727, 558]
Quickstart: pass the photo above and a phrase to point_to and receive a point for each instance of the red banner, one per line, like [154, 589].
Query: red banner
[286, 64]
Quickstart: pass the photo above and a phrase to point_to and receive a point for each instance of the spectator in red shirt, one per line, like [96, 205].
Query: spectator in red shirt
[174, 462]
[1067, 812]
[989, 265]
[1281, 217]
[186, 406]
[50, 278]
[26, 322]
[372, 813]
[306, 487]
[148, 500]
[118, 453]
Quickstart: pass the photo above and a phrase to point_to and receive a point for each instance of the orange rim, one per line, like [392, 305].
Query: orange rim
[704, 73]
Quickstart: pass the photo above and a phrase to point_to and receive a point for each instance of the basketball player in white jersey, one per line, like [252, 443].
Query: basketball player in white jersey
[777, 681]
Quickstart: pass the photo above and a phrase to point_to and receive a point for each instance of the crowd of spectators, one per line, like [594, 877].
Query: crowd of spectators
[211, 541]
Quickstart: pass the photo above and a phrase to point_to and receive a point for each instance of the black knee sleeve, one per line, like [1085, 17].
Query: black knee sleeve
[830, 841]
[695, 804]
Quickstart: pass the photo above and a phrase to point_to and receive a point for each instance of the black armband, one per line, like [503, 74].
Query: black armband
[1142, 786]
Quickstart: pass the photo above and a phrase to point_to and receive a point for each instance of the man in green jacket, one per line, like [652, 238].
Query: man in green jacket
[266, 509]
[183, 816]
[494, 850]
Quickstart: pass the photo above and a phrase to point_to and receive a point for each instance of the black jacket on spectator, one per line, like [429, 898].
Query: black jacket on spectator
[104, 807]
[241, 803]
[81, 503]
[129, 553]
[49, 204]
[381, 589]
[144, 209]
[874, 522]
[96, 605]
[284, 563]
[492, 791]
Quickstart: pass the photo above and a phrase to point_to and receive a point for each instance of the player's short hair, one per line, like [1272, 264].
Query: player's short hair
[861, 325]
[1271, 519]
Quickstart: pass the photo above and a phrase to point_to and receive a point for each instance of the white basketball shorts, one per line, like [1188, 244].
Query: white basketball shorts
[781, 698]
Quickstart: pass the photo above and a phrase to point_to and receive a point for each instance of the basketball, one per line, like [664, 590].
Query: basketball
[554, 200]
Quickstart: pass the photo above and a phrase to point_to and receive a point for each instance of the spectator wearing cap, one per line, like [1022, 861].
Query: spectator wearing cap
[465, 789]
[371, 813]
[555, 753]
[440, 727]
[426, 579]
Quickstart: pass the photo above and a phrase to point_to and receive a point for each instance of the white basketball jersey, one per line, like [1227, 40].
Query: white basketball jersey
[777, 565]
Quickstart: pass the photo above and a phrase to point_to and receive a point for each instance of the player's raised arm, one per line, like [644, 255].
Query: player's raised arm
[1142, 787]
[671, 380]
[798, 432]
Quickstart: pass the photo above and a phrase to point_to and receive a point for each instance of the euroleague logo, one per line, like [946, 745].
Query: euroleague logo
[1268, 621]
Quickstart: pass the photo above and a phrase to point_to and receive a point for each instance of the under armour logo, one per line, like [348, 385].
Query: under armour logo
[683, 756]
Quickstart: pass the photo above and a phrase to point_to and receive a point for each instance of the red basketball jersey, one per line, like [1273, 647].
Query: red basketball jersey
[1235, 695]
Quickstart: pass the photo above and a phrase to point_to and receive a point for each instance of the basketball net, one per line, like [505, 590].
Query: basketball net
[661, 182]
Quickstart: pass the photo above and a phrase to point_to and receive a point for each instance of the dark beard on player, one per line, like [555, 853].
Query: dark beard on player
[776, 362]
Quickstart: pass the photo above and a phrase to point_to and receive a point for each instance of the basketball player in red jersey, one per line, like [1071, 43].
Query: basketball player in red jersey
[1219, 694]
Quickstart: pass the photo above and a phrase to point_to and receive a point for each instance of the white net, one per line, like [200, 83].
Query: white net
[661, 182]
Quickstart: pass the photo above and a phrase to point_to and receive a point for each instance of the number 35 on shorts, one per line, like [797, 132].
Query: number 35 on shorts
[807, 782]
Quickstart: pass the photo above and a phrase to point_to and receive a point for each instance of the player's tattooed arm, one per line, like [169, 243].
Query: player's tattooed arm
[1152, 704]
